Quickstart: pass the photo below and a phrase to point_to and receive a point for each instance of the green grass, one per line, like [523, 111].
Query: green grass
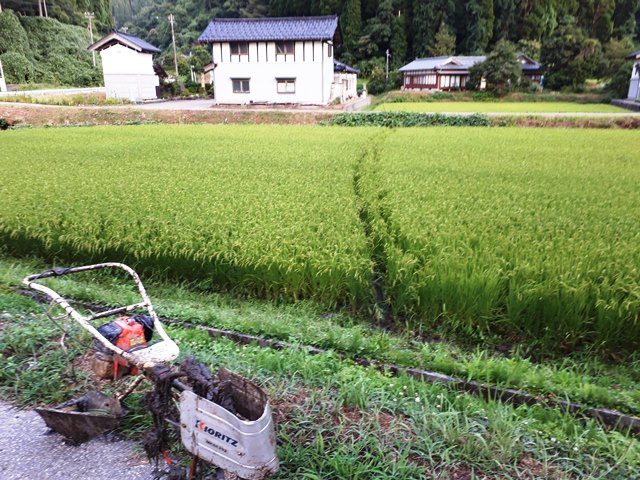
[65, 100]
[581, 378]
[501, 107]
[335, 420]
[527, 234]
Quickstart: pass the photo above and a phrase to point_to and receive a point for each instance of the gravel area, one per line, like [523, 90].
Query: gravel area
[28, 451]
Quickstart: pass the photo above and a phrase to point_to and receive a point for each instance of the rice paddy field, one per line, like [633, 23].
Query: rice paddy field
[501, 107]
[528, 234]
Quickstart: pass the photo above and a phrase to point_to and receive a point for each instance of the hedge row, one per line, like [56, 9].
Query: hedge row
[409, 119]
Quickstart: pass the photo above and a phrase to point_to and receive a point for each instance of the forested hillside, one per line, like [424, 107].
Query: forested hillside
[595, 32]
[36, 49]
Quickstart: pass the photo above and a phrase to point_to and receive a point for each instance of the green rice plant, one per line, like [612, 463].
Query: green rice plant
[525, 234]
[264, 220]
[498, 232]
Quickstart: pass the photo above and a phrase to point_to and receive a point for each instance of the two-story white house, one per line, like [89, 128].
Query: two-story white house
[272, 60]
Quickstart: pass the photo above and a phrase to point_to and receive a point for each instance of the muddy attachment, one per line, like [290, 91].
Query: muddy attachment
[237, 433]
[83, 418]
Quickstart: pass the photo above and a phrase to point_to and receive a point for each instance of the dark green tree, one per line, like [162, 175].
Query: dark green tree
[539, 19]
[500, 70]
[445, 42]
[398, 43]
[615, 52]
[596, 18]
[618, 86]
[428, 16]
[378, 29]
[568, 56]
[507, 19]
[475, 20]
[351, 24]
[624, 18]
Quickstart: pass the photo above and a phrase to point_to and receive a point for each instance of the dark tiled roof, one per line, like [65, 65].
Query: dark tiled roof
[343, 67]
[270, 28]
[633, 55]
[145, 46]
[124, 39]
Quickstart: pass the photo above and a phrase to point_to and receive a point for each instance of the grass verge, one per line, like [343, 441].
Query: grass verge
[336, 420]
[581, 377]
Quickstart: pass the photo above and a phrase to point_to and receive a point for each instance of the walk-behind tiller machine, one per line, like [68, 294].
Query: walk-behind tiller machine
[224, 420]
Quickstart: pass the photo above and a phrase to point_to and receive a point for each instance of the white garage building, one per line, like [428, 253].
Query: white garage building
[127, 66]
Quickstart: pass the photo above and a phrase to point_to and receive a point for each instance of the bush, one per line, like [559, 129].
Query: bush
[618, 87]
[17, 67]
[13, 38]
[408, 119]
[483, 96]
[4, 124]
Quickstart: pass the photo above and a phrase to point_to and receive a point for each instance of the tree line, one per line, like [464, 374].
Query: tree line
[594, 33]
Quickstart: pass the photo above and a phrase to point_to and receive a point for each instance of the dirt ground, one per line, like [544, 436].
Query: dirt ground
[40, 115]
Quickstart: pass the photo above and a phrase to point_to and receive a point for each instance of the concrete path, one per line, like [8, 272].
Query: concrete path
[28, 451]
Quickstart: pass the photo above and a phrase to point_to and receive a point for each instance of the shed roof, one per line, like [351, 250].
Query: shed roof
[527, 63]
[343, 67]
[125, 39]
[633, 56]
[270, 28]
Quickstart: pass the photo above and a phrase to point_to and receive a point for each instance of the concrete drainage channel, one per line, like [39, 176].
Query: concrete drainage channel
[609, 418]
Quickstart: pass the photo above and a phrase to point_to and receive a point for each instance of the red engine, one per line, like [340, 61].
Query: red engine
[126, 333]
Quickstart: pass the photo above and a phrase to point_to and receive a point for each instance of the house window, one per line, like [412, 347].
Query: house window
[239, 48]
[450, 81]
[285, 48]
[240, 85]
[286, 85]
[426, 79]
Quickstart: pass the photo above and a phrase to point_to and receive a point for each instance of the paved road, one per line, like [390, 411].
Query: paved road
[28, 452]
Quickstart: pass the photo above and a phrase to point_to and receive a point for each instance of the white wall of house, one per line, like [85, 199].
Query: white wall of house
[344, 86]
[128, 74]
[634, 82]
[3, 82]
[310, 68]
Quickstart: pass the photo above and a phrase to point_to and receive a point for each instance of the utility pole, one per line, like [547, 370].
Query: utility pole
[89, 16]
[386, 73]
[44, 4]
[173, 40]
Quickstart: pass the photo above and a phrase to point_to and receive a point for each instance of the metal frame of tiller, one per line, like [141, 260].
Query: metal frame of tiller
[244, 445]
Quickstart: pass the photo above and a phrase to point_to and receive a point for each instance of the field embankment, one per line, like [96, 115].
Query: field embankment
[506, 231]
